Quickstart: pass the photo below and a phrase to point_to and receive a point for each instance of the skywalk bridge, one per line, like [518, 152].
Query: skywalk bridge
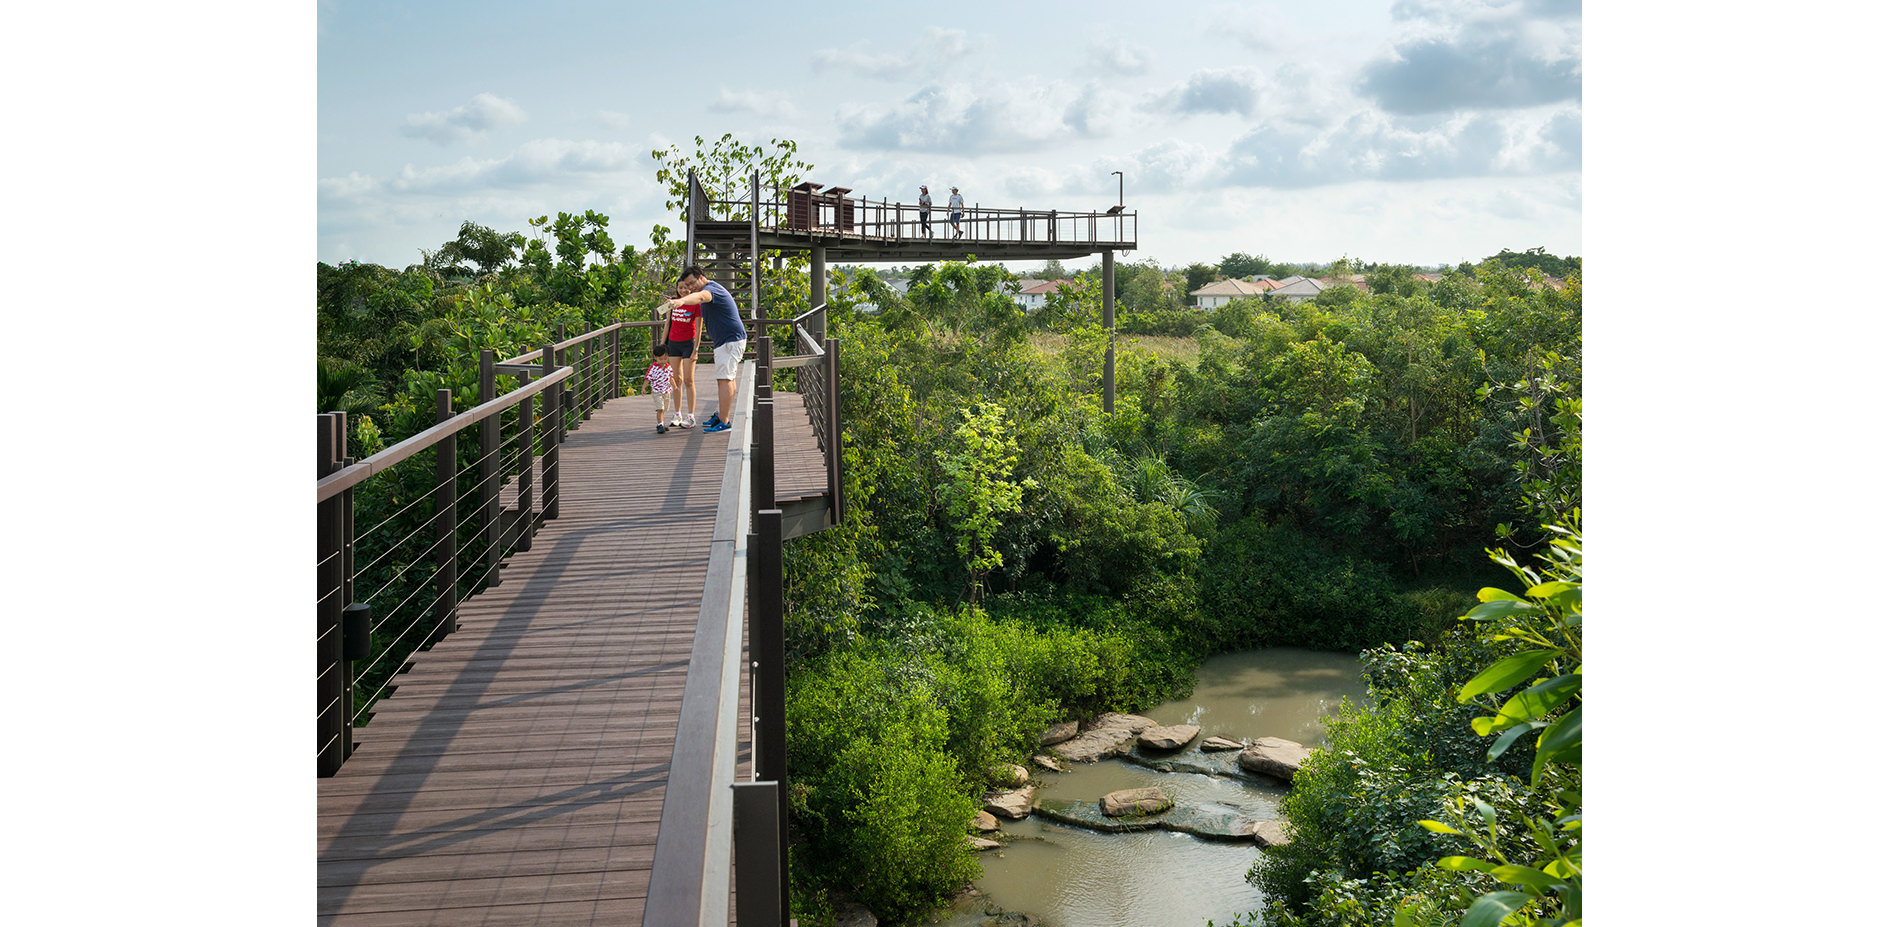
[550, 664]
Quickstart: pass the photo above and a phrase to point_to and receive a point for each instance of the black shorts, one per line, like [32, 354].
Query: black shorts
[680, 349]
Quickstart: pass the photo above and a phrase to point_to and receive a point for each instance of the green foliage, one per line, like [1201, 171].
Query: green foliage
[1537, 687]
[977, 489]
[875, 793]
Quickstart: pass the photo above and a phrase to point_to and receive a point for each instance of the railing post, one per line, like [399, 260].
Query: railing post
[764, 475]
[614, 387]
[1108, 324]
[524, 472]
[488, 438]
[834, 426]
[333, 682]
[552, 428]
[758, 857]
[589, 359]
[445, 573]
[766, 614]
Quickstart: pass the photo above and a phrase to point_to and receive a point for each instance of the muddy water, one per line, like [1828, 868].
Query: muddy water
[1074, 877]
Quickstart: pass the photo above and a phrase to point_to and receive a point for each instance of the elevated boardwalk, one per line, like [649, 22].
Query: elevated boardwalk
[517, 772]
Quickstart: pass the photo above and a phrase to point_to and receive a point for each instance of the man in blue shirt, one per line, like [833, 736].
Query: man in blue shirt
[720, 314]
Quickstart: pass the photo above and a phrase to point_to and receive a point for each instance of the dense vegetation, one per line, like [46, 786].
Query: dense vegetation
[1325, 474]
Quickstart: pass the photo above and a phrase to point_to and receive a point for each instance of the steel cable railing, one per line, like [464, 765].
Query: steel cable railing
[438, 537]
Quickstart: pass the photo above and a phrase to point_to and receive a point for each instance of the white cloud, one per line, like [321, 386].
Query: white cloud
[466, 123]
[1213, 90]
[938, 48]
[961, 119]
[347, 187]
[542, 161]
[882, 66]
[771, 105]
[615, 120]
[1372, 145]
[1473, 54]
[1118, 56]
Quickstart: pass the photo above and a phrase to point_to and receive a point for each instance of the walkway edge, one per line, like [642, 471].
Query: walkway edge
[692, 858]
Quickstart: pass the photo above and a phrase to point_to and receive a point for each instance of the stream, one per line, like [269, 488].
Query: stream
[1075, 877]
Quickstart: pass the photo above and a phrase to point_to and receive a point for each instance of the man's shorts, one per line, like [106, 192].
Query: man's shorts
[956, 217]
[726, 359]
[681, 348]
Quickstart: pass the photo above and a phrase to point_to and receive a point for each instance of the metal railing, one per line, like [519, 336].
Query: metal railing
[439, 534]
[823, 214]
[813, 360]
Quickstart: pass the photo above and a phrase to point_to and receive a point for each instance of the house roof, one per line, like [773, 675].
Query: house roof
[1297, 286]
[1043, 286]
[1230, 288]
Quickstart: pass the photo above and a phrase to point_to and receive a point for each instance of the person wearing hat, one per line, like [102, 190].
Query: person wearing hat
[956, 212]
[923, 208]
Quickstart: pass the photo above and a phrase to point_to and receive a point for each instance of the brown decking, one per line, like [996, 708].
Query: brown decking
[799, 463]
[516, 773]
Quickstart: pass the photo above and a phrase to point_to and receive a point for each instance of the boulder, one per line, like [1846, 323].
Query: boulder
[1058, 733]
[983, 843]
[1108, 735]
[1270, 834]
[984, 822]
[1212, 744]
[1274, 756]
[1135, 801]
[852, 914]
[1012, 775]
[1013, 804]
[1172, 737]
[1047, 762]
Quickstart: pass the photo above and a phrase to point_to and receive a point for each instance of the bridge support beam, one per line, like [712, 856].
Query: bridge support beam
[818, 295]
[1108, 325]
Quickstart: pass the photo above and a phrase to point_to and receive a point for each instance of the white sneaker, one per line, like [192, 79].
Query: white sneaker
[691, 420]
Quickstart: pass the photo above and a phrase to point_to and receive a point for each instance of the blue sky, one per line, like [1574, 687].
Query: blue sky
[1419, 131]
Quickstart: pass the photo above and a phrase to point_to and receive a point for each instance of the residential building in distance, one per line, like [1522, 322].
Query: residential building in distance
[1222, 292]
[1036, 292]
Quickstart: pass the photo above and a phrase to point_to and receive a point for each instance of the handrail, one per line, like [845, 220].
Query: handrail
[429, 559]
[692, 854]
[860, 218]
[564, 345]
[329, 486]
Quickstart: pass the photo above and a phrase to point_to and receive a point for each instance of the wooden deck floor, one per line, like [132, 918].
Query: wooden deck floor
[516, 774]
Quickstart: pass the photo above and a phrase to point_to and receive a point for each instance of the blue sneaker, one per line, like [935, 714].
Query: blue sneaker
[716, 426]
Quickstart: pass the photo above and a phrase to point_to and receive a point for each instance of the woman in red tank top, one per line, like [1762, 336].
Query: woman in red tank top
[682, 350]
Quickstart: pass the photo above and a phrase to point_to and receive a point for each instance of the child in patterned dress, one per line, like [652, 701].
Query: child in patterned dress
[660, 384]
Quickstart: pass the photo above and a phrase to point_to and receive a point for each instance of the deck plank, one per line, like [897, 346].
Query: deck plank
[516, 771]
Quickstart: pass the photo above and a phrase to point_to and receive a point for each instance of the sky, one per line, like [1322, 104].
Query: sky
[1417, 131]
[161, 218]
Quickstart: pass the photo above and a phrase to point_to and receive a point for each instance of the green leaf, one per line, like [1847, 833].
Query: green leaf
[1492, 909]
[1438, 828]
[1505, 740]
[1525, 875]
[1491, 611]
[1543, 698]
[1464, 864]
[1546, 590]
[1507, 672]
[1488, 594]
[1561, 742]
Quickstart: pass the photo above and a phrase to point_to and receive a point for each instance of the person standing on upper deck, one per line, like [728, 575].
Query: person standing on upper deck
[956, 212]
[923, 207]
[719, 313]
